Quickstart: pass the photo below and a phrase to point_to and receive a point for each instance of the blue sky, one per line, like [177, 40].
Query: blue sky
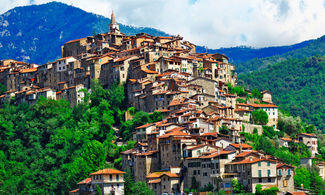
[214, 23]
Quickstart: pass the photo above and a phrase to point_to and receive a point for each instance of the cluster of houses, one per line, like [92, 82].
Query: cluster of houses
[187, 149]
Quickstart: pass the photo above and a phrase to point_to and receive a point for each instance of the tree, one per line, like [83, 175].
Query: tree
[194, 184]
[257, 94]
[224, 130]
[141, 188]
[3, 89]
[302, 177]
[260, 117]
[237, 187]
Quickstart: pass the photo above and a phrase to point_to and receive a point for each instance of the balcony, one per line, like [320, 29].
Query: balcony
[215, 175]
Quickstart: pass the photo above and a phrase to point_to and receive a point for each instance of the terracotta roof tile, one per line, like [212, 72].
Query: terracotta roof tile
[107, 172]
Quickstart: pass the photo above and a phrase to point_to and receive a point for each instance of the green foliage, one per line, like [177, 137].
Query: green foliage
[271, 133]
[98, 190]
[237, 90]
[49, 147]
[257, 94]
[194, 184]
[224, 130]
[141, 188]
[240, 100]
[296, 85]
[302, 177]
[260, 117]
[207, 188]
[3, 89]
[268, 191]
[139, 118]
[237, 187]
[265, 143]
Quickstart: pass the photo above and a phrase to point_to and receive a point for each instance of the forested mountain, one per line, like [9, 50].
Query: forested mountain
[298, 85]
[35, 33]
[315, 47]
[244, 53]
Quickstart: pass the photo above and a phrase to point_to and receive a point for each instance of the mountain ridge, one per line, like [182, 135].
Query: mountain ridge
[39, 40]
[22, 37]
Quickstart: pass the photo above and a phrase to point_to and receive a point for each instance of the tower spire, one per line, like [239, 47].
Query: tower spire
[113, 26]
[113, 20]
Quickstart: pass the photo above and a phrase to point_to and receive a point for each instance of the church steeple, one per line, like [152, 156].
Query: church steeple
[113, 26]
[113, 20]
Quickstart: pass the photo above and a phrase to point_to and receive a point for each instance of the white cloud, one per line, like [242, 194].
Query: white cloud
[215, 23]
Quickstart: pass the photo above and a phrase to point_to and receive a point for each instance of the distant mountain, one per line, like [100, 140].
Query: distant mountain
[302, 50]
[35, 33]
[244, 53]
[298, 85]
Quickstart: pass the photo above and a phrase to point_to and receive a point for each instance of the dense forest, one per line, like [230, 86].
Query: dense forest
[297, 86]
[315, 47]
[48, 147]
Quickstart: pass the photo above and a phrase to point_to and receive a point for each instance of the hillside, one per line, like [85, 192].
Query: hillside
[315, 47]
[35, 33]
[244, 53]
[297, 85]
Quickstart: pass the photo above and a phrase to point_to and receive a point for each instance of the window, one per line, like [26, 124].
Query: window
[259, 173]
[117, 177]
[268, 163]
[260, 180]
[289, 171]
[111, 177]
[259, 164]
[268, 173]
[249, 181]
[194, 172]
[269, 179]
[198, 172]
[284, 183]
[280, 172]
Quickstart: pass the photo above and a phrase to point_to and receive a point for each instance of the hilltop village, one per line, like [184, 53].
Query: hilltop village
[197, 143]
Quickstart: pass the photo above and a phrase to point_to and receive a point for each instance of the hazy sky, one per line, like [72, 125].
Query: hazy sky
[214, 23]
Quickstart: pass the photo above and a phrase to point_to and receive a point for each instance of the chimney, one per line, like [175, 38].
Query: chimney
[240, 148]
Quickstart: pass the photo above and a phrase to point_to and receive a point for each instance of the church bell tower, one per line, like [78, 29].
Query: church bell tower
[113, 26]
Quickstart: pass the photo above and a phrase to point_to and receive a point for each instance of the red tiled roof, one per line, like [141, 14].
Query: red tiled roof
[107, 172]
[217, 154]
[159, 174]
[154, 181]
[282, 164]
[85, 181]
[27, 70]
[174, 133]
[149, 71]
[264, 105]
[244, 146]
[298, 193]
[75, 40]
[308, 134]
[246, 153]
[251, 161]
[215, 134]
[73, 191]
[144, 126]
[175, 129]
